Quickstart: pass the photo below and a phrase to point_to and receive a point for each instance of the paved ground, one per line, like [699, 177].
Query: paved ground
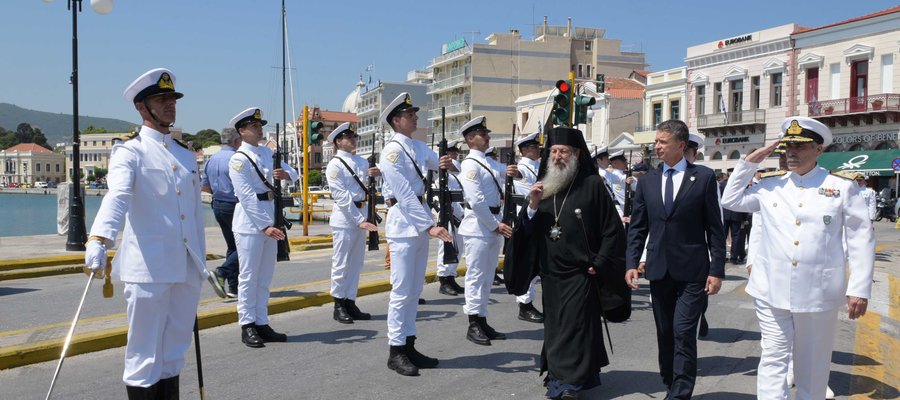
[327, 360]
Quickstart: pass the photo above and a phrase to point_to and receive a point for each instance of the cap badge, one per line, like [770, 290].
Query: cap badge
[408, 100]
[795, 128]
[826, 219]
[165, 82]
[257, 115]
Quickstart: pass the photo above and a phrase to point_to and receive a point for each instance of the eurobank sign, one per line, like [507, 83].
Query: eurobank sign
[737, 40]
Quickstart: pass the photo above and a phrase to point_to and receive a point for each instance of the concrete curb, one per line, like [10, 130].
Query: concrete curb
[47, 350]
[49, 266]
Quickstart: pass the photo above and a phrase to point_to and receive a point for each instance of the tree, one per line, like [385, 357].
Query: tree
[25, 134]
[315, 177]
[203, 139]
[91, 129]
[100, 173]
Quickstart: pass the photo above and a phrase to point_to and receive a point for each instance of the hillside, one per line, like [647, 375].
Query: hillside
[56, 127]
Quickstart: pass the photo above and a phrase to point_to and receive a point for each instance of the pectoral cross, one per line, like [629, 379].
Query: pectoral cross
[555, 232]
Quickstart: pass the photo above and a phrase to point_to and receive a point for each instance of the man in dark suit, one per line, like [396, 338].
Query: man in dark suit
[676, 211]
[734, 225]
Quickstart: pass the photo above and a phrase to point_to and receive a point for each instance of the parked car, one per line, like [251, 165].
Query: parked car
[41, 185]
[13, 185]
[52, 185]
[24, 186]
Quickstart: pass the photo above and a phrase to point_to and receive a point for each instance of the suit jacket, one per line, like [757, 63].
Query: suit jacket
[689, 243]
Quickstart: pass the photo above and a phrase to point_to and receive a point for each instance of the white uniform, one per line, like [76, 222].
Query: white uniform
[349, 240]
[609, 178]
[155, 188]
[450, 269]
[478, 230]
[868, 196]
[406, 229]
[798, 277]
[529, 170]
[256, 250]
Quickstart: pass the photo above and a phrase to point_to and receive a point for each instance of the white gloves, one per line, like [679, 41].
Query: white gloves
[95, 257]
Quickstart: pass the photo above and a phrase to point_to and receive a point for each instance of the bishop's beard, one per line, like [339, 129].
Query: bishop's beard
[559, 178]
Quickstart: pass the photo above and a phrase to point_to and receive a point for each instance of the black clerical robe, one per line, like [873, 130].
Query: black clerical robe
[573, 350]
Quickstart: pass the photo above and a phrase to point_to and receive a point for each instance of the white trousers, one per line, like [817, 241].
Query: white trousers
[408, 259]
[449, 269]
[256, 258]
[528, 297]
[481, 254]
[349, 250]
[160, 325]
[809, 337]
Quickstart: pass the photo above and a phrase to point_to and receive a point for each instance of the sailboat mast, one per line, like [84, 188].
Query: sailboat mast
[284, 67]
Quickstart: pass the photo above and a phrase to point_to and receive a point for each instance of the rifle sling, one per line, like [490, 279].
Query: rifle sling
[258, 172]
[355, 177]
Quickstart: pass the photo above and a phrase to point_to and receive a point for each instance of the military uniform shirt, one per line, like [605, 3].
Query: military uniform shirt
[345, 190]
[409, 217]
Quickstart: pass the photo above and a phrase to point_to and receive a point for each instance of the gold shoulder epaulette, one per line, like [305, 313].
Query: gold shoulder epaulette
[845, 174]
[183, 145]
[127, 137]
[772, 173]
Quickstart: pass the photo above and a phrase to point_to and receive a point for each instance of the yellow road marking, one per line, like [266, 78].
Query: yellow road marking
[894, 301]
[866, 379]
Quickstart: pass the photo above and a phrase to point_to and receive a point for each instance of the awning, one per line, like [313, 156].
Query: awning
[870, 163]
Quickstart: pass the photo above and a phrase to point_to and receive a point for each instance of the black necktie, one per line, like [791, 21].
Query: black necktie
[669, 198]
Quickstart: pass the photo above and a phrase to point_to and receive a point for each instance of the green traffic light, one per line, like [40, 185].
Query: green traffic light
[582, 103]
[314, 135]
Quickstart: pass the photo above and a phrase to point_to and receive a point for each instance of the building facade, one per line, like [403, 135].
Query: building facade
[95, 150]
[30, 163]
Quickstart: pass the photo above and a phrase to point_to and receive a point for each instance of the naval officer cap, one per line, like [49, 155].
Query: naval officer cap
[475, 124]
[401, 103]
[249, 115]
[453, 145]
[600, 152]
[527, 140]
[617, 155]
[342, 129]
[695, 140]
[805, 130]
[153, 82]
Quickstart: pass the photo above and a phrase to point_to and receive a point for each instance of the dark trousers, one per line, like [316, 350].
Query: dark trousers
[676, 309]
[736, 230]
[224, 212]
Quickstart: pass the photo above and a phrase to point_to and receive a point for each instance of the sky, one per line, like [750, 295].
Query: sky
[226, 54]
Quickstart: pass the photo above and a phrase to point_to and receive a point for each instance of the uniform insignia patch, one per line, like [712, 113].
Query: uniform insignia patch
[826, 219]
[165, 82]
[392, 157]
[471, 175]
[237, 165]
[333, 174]
[771, 174]
[795, 128]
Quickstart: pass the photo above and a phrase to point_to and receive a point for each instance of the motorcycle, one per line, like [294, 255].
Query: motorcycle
[885, 208]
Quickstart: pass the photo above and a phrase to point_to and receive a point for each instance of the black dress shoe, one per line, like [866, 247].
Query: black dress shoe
[446, 287]
[142, 393]
[269, 335]
[459, 289]
[355, 313]
[498, 280]
[250, 336]
[490, 332]
[340, 312]
[418, 359]
[704, 326]
[528, 313]
[398, 361]
[568, 394]
[421, 301]
[475, 333]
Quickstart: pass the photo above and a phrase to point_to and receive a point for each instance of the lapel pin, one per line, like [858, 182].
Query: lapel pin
[692, 178]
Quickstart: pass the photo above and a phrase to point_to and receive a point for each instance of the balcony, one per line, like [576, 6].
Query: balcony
[880, 107]
[458, 53]
[449, 83]
[366, 129]
[644, 134]
[366, 109]
[452, 111]
[745, 121]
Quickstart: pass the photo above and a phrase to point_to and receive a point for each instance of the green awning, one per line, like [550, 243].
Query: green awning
[870, 163]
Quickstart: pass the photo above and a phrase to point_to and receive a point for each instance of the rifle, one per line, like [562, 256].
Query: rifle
[284, 248]
[372, 196]
[629, 193]
[446, 198]
[510, 198]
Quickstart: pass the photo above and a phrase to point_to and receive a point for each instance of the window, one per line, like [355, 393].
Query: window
[701, 100]
[887, 73]
[720, 101]
[588, 45]
[754, 92]
[835, 82]
[812, 85]
[48, 167]
[859, 85]
[717, 156]
[674, 108]
[735, 155]
[657, 113]
[37, 167]
[580, 71]
[587, 71]
[776, 82]
[736, 87]
[57, 167]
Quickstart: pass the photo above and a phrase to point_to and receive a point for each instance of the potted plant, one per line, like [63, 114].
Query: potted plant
[877, 103]
[828, 110]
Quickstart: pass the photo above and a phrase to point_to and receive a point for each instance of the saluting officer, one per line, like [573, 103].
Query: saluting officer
[345, 174]
[807, 216]
[481, 229]
[526, 171]
[447, 272]
[255, 234]
[404, 162]
[154, 188]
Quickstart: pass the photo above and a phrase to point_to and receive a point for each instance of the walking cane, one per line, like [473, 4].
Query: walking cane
[68, 340]
[199, 362]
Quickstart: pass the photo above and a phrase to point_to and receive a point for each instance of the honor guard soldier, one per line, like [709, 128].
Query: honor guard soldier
[527, 169]
[447, 272]
[255, 233]
[404, 162]
[602, 161]
[345, 173]
[154, 188]
[499, 169]
[813, 227]
[481, 229]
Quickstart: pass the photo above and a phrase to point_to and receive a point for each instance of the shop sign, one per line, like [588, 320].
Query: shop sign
[869, 137]
[743, 39]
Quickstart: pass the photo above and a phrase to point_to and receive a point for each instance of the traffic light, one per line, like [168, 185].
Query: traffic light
[314, 135]
[582, 104]
[562, 103]
[601, 83]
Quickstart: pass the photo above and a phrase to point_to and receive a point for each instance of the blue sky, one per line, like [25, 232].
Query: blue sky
[225, 53]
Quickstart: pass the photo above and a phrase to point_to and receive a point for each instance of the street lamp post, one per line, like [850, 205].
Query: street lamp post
[77, 234]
